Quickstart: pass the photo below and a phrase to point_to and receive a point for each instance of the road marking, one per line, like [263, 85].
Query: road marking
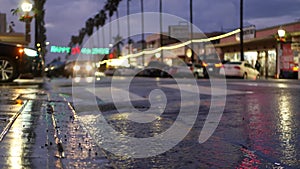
[112, 94]
[275, 84]
[207, 90]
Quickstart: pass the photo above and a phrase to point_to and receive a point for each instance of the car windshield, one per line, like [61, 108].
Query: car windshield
[156, 64]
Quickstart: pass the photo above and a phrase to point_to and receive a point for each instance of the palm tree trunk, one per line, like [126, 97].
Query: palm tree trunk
[143, 35]
[110, 38]
[191, 30]
[118, 22]
[160, 35]
[128, 20]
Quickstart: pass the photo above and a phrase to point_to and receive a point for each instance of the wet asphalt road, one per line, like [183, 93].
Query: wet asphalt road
[258, 128]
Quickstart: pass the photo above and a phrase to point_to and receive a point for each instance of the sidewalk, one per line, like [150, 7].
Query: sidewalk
[63, 139]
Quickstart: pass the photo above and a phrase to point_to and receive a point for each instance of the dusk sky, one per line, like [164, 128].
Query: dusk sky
[66, 18]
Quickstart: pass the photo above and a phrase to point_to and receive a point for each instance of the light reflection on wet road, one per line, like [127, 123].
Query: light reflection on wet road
[258, 129]
[18, 112]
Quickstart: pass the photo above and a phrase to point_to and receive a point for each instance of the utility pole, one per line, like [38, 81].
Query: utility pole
[161, 31]
[241, 29]
[191, 31]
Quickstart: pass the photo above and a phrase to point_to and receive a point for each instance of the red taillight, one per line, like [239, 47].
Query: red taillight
[191, 68]
[237, 67]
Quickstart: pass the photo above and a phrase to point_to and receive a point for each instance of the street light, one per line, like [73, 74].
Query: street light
[26, 8]
[281, 32]
[281, 35]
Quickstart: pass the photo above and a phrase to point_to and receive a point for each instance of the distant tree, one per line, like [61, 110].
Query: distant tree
[99, 20]
[112, 6]
[81, 35]
[89, 26]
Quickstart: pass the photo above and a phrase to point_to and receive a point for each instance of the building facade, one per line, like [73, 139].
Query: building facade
[278, 56]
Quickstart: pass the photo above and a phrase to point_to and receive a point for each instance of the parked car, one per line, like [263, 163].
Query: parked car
[127, 71]
[155, 69]
[240, 69]
[181, 70]
[16, 60]
[79, 68]
[55, 69]
[211, 67]
[197, 70]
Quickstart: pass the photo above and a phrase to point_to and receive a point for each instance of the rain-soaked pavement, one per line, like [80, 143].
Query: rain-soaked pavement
[258, 128]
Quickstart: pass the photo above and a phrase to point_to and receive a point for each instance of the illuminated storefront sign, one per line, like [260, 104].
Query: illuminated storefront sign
[77, 50]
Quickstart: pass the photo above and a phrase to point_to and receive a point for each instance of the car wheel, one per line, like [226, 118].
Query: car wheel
[8, 70]
[257, 77]
[245, 76]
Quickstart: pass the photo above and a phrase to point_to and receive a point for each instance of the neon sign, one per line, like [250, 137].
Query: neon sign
[77, 50]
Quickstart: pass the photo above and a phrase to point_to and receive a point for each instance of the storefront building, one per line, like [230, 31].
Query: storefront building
[278, 56]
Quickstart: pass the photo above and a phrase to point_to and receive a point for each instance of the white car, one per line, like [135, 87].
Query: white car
[240, 69]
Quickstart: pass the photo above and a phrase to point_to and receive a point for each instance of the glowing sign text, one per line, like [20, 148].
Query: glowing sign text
[77, 50]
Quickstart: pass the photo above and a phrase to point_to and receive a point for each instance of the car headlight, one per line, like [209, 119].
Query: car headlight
[88, 67]
[76, 68]
[30, 52]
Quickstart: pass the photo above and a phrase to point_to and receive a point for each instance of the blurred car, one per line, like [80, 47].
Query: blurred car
[55, 69]
[240, 69]
[211, 67]
[127, 71]
[181, 70]
[17, 59]
[155, 69]
[197, 70]
[79, 68]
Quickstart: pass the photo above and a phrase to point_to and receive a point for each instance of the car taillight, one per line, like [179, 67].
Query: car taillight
[192, 68]
[295, 69]
[237, 67]
[21, 51]
[204, 64]
[218, 65]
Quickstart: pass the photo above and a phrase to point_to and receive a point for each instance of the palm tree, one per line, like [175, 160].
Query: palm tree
[81, 35]
[112, 6]
[40, 29]
[89, 26]
[97, 24]
[102, 20]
